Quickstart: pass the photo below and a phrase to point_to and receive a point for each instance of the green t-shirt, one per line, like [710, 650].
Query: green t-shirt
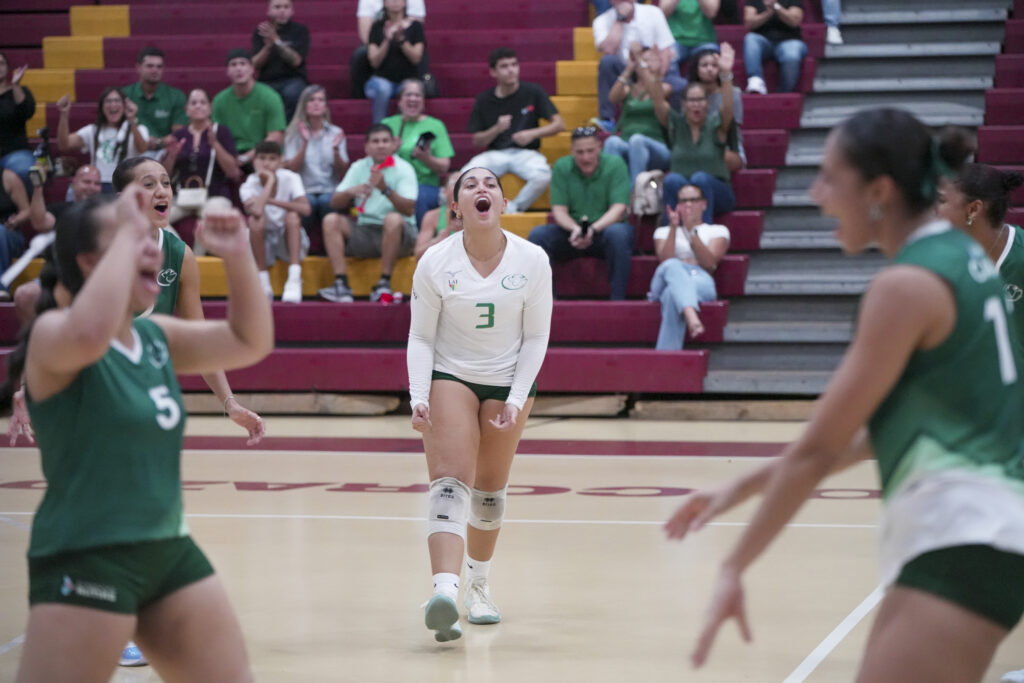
[401, 178]
[158, 113]
[1011, 268]
[707, 154]
[638, 117]
[590, 198]
[169, 276]
[249, 119]
[689, 26]
[409, 133]
[957, 406]
[111, 451]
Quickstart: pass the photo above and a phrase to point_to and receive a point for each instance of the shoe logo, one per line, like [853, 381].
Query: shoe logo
[515, 281]
[167, 277]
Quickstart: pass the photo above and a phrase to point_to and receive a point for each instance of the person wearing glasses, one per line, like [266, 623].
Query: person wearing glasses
[689, 251]
[699, 142]
[589, 196]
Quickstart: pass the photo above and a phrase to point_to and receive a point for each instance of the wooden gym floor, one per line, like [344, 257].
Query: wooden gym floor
[318, 536]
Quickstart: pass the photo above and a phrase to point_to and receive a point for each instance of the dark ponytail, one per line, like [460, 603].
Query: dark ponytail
[892, 142]
[990, 186]
[77, 233]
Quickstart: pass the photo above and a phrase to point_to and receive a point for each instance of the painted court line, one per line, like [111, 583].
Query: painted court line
[7, 647]
[381, 518]
[833, 639]
[16, 523]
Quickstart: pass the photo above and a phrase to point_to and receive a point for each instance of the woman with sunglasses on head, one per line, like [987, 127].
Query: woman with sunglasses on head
[481, 315]
[113, 137]
[930, 388]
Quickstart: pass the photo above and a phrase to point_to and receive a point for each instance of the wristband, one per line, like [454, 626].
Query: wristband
[279, 42]
[725, 76]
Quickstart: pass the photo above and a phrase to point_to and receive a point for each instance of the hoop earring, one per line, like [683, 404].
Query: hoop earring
[875, 212]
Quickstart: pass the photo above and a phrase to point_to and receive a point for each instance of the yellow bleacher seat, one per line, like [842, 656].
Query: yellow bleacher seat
[100, 20]
[73, 52]
[576, 77]
[583, 44]
[576, 110]
[316, 273]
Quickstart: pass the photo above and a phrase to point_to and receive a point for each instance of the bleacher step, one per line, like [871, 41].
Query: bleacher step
[791, 382]
[855, 17]
[934, 108]
[789, 331]
[799, 239]
[964, 49]
[896, 84]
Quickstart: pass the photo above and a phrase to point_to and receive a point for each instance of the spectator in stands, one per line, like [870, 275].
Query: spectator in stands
[279, 50]
[382, 187]
[17, 106]
[14, 210]
[161, 107]
[368, 12]
[252, 111]
[275, 202]
[201, 154]
[773, 31]
[113, 137]
[704, 70]
[438, 223]
[422, 141]
[689, 251]
[84, 184]
[640, 138]
[506, 120]
[832, 9]
[395, 47]
[589, 196]
[690, 23]
[698, 142]
[317, 150]
[615, 32]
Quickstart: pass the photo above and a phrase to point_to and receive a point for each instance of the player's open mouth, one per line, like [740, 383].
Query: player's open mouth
[483, 204]
[149, 280]
[161, 208]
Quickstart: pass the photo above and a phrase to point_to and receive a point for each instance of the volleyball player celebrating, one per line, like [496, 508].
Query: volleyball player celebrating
[929, 387]
[481, 315]
[110, 555]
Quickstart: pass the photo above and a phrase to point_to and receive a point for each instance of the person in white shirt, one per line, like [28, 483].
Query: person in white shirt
[689, 251]
[615, 31]
[275, 202]
[481, 317]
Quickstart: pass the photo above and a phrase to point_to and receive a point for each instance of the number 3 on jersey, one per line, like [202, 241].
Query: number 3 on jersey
[167, 411]
[487, 315]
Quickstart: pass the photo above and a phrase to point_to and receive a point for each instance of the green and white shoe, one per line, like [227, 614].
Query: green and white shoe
[442, 617]
[481, 608]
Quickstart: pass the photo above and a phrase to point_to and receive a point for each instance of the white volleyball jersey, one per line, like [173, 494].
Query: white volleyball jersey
[491, 330]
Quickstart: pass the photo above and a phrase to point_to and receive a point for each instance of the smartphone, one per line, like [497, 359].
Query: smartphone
[425, 140]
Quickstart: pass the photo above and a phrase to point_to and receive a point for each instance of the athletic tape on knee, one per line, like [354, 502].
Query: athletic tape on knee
[449, 507]
[486, 509]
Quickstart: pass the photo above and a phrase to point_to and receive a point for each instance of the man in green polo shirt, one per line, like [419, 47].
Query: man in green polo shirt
[161, 107]
[252, 111]
[589, 195]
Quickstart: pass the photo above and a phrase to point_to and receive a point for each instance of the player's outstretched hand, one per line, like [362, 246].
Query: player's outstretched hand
[726, 603]
[20, 423]
[698, 508]
[248, 420]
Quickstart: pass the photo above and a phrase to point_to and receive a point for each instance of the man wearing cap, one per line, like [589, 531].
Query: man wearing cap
[252, 111]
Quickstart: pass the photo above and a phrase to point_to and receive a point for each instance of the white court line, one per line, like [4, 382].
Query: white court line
[833, 639]
[7, 647]
[14, 523]
[376, 518]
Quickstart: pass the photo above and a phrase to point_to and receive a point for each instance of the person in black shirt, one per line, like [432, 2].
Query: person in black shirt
[395, 48]
[280, 47]
[773, 31]
[17, 106]
[506, 120]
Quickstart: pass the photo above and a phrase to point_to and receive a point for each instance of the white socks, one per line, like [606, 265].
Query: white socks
[295, 272]
[447, 584]
[265, 278]
[477, 570]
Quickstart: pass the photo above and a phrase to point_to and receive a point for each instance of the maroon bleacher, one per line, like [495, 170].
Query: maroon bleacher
[1001, 144]
[1004, 106]
[29, 29]
[1014, 40]
[31, 56]
[1010, 71]
[587, 278]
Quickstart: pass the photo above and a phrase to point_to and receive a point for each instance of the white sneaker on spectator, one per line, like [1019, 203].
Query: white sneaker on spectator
[1013, 677]
[833, 36]
[382, 292]
[292, 293]
[481, 608]
[132, 656]
[756, 84]
[338, 293]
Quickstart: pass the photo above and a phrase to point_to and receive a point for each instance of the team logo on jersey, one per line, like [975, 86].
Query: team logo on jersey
[980, 266]
[167, 277]
[1014, 293]
[158, 354]
[453, 282]
[514, 281]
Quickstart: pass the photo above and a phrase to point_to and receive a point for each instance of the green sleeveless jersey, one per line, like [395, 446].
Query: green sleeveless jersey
[1011, 268]
[169, 276]
[111, 451]
[959, 405]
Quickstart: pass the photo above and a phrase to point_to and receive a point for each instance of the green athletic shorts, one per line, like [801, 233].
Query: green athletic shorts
[117, 578]
[482, 391]
[979, 578]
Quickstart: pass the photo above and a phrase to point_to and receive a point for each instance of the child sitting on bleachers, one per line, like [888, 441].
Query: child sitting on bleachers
[275, 201]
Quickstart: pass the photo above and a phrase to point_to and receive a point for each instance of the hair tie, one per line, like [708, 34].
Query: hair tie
[935, 169]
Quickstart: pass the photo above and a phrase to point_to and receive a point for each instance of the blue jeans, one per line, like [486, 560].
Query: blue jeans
[678, 285]
[321, 205]
[601, 6]
[380, 90]
[12, 245]
[614, 243]
[641, 153]
[720, 197]
[831, 10]
[611, 67]
[289, 89]
[788, 53]
[683, 52]
[20, 162]
[428, 197]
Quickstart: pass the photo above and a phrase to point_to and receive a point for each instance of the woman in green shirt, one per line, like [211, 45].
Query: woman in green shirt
[930, 388]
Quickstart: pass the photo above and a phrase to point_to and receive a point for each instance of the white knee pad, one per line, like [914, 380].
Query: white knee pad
[449, 507]
[487, 509]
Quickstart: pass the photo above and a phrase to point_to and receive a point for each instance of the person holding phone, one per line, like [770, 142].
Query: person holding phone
[422, 141]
